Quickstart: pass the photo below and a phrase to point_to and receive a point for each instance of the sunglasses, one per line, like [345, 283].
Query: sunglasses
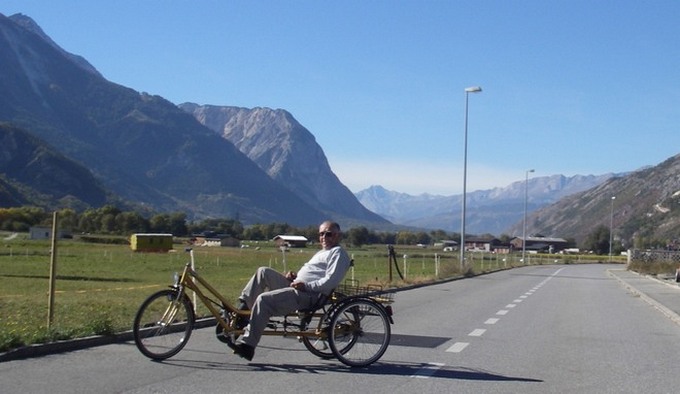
[326, 234]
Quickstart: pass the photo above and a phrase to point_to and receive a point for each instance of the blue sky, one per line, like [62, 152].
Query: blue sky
[569, 87]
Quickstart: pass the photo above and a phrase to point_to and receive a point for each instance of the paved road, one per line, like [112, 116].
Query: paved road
[547, 329]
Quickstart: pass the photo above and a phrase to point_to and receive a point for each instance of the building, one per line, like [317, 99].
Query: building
[447, 245]
[479, 244]
[151, 242]
[38, 232]
[540, 244]
[291, 241]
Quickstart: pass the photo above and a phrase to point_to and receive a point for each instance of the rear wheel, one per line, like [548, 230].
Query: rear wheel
[360, 332]
[318, 344]
[163, 324]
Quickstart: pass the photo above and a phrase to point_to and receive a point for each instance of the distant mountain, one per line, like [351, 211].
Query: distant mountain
[289, 154]
[644, 211]
[492, 211]
[140, 147]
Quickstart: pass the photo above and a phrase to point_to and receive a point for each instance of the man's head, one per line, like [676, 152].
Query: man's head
[329, 234]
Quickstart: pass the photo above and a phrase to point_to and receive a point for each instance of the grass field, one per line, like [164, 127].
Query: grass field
[100, 286]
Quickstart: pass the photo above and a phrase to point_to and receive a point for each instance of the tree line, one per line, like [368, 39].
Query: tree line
[110, 220]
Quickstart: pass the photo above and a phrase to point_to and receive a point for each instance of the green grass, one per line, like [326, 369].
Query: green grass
[100, 286]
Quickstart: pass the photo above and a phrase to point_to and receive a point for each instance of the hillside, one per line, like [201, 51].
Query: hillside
[35, 174]
[644, 213]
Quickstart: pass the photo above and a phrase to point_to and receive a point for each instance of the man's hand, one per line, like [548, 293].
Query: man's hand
[300, 286]
[291, 276]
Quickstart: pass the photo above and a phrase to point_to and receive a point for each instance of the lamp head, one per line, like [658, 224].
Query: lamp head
[473, 89]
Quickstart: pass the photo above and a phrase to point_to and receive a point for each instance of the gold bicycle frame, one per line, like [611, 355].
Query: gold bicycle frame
[190, 279]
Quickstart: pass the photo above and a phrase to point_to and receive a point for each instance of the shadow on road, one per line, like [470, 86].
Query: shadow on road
[379, 368]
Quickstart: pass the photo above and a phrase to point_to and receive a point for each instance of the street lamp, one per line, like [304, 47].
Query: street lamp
[524, 225]
[472, 89]
[611, 227]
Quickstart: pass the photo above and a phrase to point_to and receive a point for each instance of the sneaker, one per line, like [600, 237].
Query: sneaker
[244, 350]
[241, 322]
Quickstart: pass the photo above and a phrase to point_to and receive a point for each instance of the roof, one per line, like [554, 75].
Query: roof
[543, 239]
[292, 238]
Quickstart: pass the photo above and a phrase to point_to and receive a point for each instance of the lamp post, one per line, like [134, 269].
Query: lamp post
[524, 223]
[472, 89]
[611, 227]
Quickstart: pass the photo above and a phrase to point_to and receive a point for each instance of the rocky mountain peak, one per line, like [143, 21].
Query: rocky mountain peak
[285, 150]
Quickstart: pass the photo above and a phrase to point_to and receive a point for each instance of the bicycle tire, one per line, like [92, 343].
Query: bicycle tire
[318, 345]
[163, 324]
[361, 332]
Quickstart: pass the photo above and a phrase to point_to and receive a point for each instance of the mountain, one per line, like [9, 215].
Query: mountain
[289, 154]
[643, 212]
[26, 160]
[492, 211]
[138, 146]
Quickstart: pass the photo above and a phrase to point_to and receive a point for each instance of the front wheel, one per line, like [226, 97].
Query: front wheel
[163, 324]
[360, 332]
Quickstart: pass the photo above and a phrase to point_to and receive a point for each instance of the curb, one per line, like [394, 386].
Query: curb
[674, 317]
[70, 345]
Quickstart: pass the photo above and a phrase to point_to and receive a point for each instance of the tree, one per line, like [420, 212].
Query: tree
[423, 238]
[131, 222]
[598, 240]
[358, 236]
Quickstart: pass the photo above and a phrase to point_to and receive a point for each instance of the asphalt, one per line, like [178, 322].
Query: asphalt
[663, 293]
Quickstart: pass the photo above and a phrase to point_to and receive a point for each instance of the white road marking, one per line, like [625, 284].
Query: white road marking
[477, 333]
[457, 347]
[502, 312]
[492, 320]
[510, 306]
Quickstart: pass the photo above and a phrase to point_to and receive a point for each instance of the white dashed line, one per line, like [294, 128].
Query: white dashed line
[492, 320]
[510, 306]
[502, 312]
[477, 333]
[457, 347]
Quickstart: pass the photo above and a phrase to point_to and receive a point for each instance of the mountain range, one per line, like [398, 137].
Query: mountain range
[71, 138]
[141, 148]
[492, 211]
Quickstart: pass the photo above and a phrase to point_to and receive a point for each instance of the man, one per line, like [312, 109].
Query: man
[270, 293]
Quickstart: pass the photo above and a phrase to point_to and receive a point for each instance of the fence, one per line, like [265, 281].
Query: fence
[654, 256]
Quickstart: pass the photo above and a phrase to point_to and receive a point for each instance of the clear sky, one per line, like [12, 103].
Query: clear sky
[569, 87]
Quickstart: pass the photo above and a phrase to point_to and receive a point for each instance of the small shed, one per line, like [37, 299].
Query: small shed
[38, 232]
[151, 242]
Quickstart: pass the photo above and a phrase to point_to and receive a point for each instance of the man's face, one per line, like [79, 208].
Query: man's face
[328, 237]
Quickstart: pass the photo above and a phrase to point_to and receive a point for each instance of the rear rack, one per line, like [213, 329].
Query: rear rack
[351, 288]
